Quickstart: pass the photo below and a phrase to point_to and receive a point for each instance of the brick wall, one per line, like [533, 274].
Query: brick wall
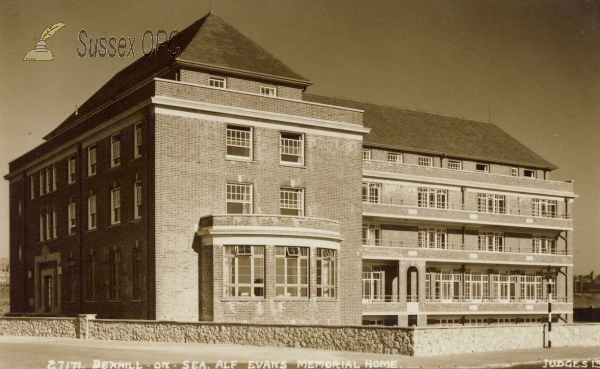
[239, 84]
[191, 177]
[256, 102]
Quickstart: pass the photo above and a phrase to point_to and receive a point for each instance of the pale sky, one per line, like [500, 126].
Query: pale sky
[531, 67]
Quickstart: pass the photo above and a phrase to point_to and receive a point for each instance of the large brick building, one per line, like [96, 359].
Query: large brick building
[210, 186]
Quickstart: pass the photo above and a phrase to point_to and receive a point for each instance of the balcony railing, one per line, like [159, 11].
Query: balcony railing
[465, 175]
[380, 298]
[499, 301]
[413, 298]
[414, 203]
[464, 247]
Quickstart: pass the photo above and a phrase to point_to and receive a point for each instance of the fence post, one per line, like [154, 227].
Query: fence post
[84, 326]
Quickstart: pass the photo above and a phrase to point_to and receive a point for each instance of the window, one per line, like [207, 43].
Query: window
[476, 286]
[531, 287]
[92, 216]
[371, 234]
[54, 224]
[115, 201]
[544, 208]
[137, 140]
[292, 148]
[491, 241]
[551, 290]
[239, 142]
[455, 164]
[91, 160]
[544, 245]
[54, 178]
[91, 278]
[394, 157]
[115, 261]
[42, 182]
[476, 321]
[366, 154]
[244, 271]
[136, 273]
[71, 287]
[529, 173]
[218, 82]
[115, 150]
[49, 180]
[48, 225]
[514, 172]
[433, 238]
[42, 226]
[291, 271]
[239, 198]
[291, 201]
[268, 91]
[432, 198]
[425, 161]
[137, 194]
[373, 279]
[503, 287]
[482, 168]
[488, 203]
[71, 168]
[371, 192]
[32, 185]
[442, 285]
[72, 218]
[326, 273]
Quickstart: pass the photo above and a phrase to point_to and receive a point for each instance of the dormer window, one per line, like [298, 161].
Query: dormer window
[482, 168]
[529, 173]
[218, 82]
[268, 91]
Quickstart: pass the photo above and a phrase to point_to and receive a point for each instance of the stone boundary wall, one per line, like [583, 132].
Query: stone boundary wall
[41, 327]
[426, 341]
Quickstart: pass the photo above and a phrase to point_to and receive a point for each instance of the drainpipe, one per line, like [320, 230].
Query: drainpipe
[23, 244]
[463, 189]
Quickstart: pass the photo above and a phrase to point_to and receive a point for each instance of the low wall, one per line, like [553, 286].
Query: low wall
[41, 327]
[460, 340]
[418, 341]
[383, 340]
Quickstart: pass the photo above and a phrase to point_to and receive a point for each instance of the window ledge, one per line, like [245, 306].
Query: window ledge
[137, 220]
[114, 301]
[71, 235]
[240, 159]
[114, 167]
[91, 230]
[114, 225]
[281, 298]
[283, 164]
[232, 299]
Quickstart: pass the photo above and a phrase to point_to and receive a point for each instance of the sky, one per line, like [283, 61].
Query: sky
[530, 67]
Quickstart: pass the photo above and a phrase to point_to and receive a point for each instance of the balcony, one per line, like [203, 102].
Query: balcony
[471, 253]
[269, 229]
[377, 168]
[249, 101]
[464, 215]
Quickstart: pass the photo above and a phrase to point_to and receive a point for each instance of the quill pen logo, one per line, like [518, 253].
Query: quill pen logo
[40, 53]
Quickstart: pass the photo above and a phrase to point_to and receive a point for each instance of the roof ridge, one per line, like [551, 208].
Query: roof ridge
[403, 108]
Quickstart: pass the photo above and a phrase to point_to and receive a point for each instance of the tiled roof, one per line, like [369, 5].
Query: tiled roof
[420, 131]
[209, 42]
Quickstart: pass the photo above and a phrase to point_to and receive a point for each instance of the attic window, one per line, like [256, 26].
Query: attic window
[482, 168]
[218, 82]
[529, 173]
[455, 164]
[514, 172]
[268, 91]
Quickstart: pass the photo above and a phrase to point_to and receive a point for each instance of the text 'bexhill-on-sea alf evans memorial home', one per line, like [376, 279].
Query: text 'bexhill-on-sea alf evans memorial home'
[211, 186]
